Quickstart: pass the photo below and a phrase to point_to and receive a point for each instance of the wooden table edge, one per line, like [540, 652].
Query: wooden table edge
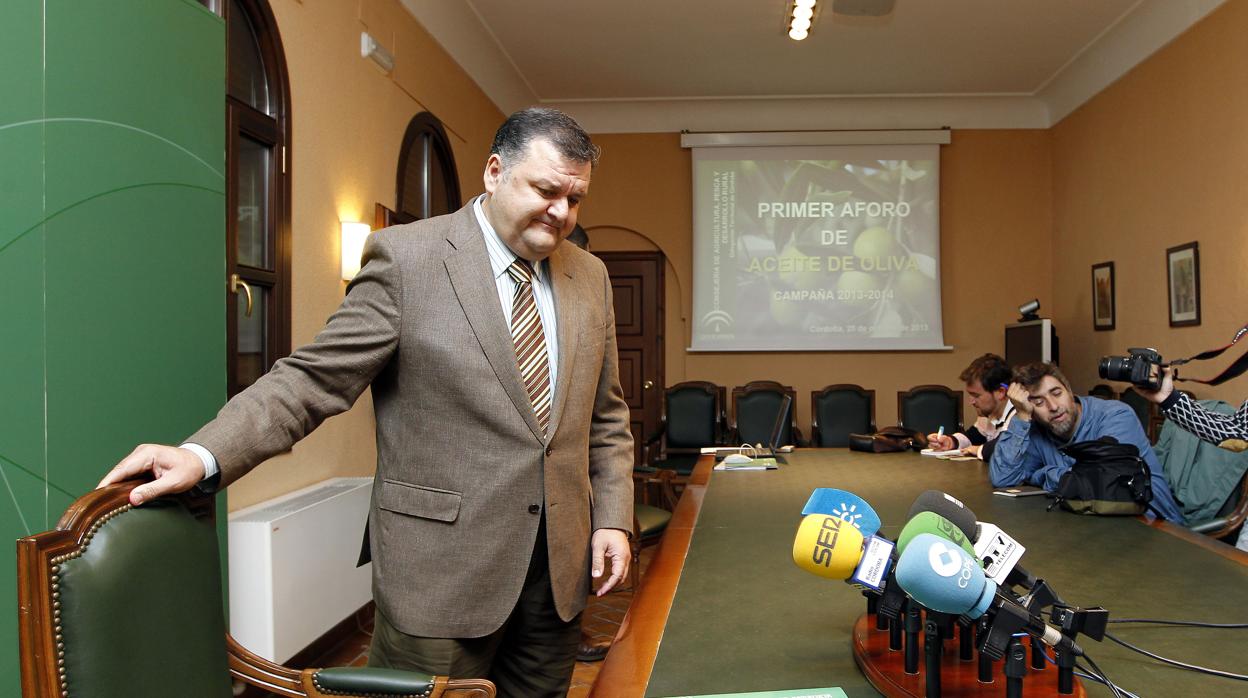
[1213, 545]
[626, 671]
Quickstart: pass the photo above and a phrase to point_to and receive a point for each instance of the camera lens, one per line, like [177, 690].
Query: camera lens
[1115, 368]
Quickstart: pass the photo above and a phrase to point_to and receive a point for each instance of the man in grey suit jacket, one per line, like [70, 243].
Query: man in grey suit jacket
[490, 507]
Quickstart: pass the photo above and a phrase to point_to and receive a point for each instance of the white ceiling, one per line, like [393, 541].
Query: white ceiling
[669, 65]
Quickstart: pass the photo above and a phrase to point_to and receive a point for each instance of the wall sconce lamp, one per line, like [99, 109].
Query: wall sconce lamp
[353, 236]
[369, 48]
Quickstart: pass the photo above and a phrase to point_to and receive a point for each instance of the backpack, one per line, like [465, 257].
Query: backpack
[1108, 478]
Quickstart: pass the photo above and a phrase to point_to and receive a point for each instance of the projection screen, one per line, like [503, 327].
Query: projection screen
[801, 248]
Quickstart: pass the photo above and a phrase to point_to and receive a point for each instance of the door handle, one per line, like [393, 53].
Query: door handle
[235, 282]
[647, 385]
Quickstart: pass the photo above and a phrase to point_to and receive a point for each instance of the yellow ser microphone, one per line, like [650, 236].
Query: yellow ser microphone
[827, 546]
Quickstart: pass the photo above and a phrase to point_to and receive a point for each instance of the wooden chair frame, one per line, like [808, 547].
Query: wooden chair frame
[1226, 525]
[38, 560]
[815, 437]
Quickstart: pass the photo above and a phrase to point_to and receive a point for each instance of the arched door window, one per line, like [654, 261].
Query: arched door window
[427, 184]
[258, 193]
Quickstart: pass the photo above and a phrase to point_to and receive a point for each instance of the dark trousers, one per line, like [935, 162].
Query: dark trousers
[531, 655]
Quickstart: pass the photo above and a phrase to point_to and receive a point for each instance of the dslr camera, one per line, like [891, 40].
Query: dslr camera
[1136, 368]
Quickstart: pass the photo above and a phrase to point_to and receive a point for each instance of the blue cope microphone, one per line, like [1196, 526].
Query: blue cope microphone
[942, 577]
[846, 506]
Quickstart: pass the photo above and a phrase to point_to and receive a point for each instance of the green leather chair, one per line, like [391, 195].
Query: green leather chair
[838, 411]
[754, 409]
[692, 417]
[126, 601]
[927, 408]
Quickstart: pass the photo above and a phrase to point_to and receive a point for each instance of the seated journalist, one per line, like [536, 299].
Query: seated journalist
[987, 379]
[1230, 431]
[1049, 416]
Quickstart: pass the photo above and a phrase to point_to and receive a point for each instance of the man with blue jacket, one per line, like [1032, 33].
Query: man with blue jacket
[1050, 416]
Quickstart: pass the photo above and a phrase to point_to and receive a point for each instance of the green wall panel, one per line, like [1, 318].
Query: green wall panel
[112, 248]
[22, 461]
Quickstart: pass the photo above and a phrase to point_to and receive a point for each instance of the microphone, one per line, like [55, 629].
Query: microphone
[942, 577]
[827, 546]
[830, 547]
[998, 552]
[845, 505]
[937, 525]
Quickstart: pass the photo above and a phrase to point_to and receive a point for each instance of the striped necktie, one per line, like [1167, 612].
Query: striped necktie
[527, 333]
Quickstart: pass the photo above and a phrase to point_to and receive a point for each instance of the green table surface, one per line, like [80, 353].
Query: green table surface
[745, 618]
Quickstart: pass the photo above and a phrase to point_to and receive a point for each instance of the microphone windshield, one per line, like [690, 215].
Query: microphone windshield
[947, 506]
[844, 505]
[827, 546]
[940, 576]
[937, 525]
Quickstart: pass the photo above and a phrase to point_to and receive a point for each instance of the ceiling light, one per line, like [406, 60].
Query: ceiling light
[801, 16]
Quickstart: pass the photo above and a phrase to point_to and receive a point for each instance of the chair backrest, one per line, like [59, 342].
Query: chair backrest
[1103, 391]
[1144, 411]
[927, 408]
[692, 414]
[131, 595]
[754, 410]
[840, 410]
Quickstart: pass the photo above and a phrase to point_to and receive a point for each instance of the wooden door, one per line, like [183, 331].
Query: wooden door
[637, 284]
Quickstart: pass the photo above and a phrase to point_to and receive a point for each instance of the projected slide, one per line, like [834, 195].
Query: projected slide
[816, 248]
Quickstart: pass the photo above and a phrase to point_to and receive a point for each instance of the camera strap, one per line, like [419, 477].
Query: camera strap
[1236, 369]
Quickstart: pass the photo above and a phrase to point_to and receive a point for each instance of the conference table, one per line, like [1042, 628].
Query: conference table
[723, 608]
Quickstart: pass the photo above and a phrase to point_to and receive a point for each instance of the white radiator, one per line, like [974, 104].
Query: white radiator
[292, 566]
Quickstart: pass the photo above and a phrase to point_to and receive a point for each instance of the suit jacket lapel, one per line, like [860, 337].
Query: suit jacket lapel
[570, 325]
[468, 266]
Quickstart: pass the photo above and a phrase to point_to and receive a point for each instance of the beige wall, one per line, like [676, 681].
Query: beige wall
[1156, 160]
[995, 254]
[348, 121]
[1152, 162]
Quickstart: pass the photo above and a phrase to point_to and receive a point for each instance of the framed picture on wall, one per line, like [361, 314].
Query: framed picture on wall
[1103, 296]
[1183, 277]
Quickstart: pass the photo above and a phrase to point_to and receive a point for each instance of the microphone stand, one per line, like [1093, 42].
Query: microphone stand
[1072, 620]
[894, 634]
[914, 623]
[1015, 668]
[932, 646]
[966, 639]
[985, 662]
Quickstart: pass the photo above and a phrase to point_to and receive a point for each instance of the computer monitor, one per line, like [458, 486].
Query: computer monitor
[778, 428]
[1034, 340]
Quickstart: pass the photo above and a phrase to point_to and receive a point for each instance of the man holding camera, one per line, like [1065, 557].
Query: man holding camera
[1230, 431]
[1049, 416]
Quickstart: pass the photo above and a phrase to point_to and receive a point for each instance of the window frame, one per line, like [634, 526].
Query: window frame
[274, 131]
[424, 135]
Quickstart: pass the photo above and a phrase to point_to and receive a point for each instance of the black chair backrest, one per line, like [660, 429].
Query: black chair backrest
[141, 610]
[1143, 409]
[754, 412]
[692, 412]
[840, 410]
[1103, 391]
[927, 408]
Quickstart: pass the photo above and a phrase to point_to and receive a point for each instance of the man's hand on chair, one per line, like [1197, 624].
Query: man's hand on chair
[175, 469]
